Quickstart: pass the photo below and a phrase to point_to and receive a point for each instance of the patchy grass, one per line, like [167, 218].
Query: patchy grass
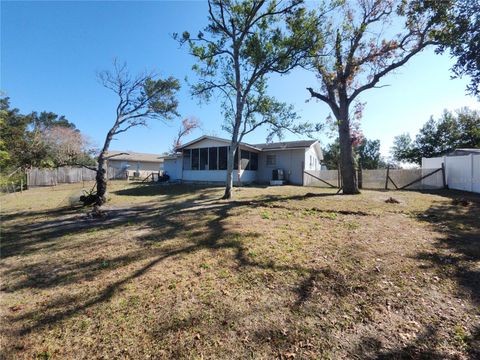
[280, 272]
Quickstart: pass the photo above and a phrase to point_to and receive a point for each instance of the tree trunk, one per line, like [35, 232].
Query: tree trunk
[229, 181]
[101, 176]
[347, 161]
[101, 180]
[239, 102]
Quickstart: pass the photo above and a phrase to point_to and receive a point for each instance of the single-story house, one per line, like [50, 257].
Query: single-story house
[205, 160]
[121, 164]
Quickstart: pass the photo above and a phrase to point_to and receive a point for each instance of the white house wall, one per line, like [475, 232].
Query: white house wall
[173, 167]
[207, 143]
[247, 176]
[310, 153]
[291, 161]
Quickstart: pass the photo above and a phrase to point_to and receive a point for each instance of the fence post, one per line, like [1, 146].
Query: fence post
[444, 179]
[386, 178]
[339, 176]
[471, 172]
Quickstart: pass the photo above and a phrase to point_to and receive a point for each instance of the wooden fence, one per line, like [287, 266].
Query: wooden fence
[62, 175]
[409, 179]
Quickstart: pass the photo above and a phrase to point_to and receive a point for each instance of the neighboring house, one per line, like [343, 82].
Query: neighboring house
[205, 160]
[130, 163]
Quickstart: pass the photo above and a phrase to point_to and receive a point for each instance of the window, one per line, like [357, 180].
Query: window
[212, 158]
[204, 159]
[222, 158]
[245, 163]
[195, 158]
[271, 160]
[253, 161]
[187, 165]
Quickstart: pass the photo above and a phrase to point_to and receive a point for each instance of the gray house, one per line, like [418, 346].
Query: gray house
[128, 163]
[205, 160]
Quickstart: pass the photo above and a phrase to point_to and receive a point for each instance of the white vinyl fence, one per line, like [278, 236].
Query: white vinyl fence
[62, 175]
[461, 172]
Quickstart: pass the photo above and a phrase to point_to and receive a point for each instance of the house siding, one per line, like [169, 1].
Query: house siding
[117, 168]
[207, 143]
[173, 167]
[247, 176]
[312, 162]
[291, 161]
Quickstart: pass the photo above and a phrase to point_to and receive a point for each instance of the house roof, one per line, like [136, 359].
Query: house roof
[180, 148]
[259, 147]
[134, 156]
[286, 145]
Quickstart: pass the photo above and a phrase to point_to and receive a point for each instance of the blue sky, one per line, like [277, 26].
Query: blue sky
[51, 51]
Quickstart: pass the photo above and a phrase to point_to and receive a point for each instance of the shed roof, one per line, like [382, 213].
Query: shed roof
[464, 151]
[134, 156]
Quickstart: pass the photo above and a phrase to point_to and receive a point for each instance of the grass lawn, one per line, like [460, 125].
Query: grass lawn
[280, 272]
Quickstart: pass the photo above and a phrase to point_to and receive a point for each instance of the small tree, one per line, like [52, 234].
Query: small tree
[359, 51]
[37, 139]
[366, 153]
[187, 126]
[140, 98]
[244, 42]
[67, 146]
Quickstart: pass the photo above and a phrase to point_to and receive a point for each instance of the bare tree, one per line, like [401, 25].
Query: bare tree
[360, 49]
[187, 126]
[140, 98]
[67, 146]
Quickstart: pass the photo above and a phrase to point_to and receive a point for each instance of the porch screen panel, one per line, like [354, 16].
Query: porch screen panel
[204, 159]
[222, 158]
[195, 158]
[187, 164]
[253, 161]
[212, 158]
[245, 155]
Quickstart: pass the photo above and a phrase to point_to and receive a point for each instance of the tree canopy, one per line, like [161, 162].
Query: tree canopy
[457, 31]
[359, 50]
[42, 139]
[243, 43]
[367, 154]
[438, 137]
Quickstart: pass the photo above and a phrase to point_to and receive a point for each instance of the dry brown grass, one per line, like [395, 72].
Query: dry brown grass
[283, 272]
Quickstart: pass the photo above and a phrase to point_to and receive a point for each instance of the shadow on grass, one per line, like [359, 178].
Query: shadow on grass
[456, 256]
[169, 190]
[166, 220]
[458, 248]
[181, 218]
